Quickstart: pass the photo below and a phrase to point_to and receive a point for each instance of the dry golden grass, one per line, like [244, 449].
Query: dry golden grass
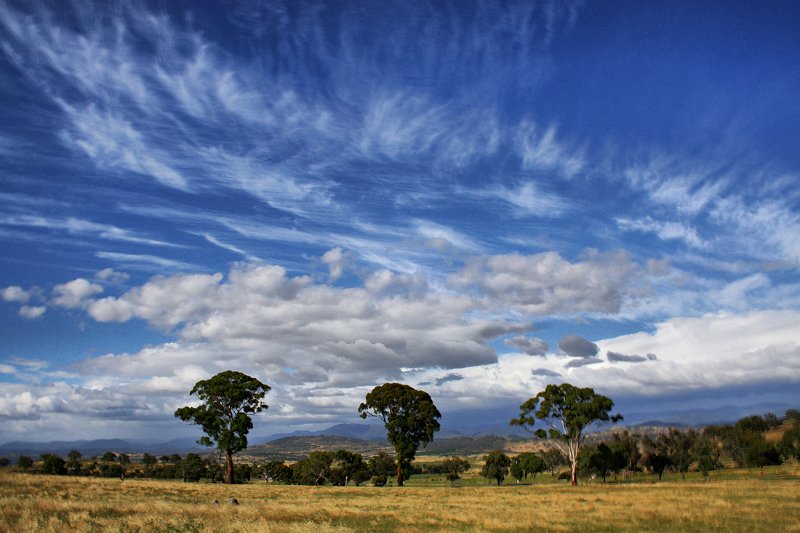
[54, 504]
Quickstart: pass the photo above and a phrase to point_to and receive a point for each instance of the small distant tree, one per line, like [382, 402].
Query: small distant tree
[532, 464]
[73, 463]
[53, 464]
[626, 447]
[148, 460]
[553, 460]
[790, 444]
[5, 461]
[410, 417]
[517, 470]
[603, 461]
[228, 400]
[772, 420]
[567, 411]
[109, 457]
[24, 462]
[352, 466]
[193, 468]
[707, 455]
[313, 470]
[658, 462]
[276, 471]
[124, 461]
[455, 465]
[495, 466]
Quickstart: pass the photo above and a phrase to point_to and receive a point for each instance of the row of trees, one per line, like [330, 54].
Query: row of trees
[566, 413]
[743, 444]
[409, 415]
[193, 467]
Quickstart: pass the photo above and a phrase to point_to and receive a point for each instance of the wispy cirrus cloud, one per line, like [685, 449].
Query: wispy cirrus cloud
[667, 231]
[145, 261]
[84, 227]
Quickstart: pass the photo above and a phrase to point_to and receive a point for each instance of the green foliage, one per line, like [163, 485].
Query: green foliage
[5, 461]
[314, 470]
[53, 464]
[228, 400]
[658, 462]
[626, 447]
[526, 464]
[109, 457]
[73, 463]
[567, 411]
[600, 460]
[707, 454]
[752, 423]
[553, 460]
[495, 466]
[110, 470]
[790, 443]
[149, 460]
[193, 468]
[455, 465]
[410, 417]
[745, 443]
[382, 465]
[276, 471]
[352, 467]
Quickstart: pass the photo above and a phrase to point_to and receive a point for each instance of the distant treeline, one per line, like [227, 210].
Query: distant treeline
[742, 444]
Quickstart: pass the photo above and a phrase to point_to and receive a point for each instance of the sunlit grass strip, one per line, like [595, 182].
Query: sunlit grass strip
[44, 503]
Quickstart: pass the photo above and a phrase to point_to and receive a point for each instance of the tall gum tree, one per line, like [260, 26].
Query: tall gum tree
[228, 400]
[567, 411]
[410, 418]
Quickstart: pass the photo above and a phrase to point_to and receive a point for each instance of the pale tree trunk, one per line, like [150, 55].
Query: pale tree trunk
[229, 470]
[399, 474]
[573, 457]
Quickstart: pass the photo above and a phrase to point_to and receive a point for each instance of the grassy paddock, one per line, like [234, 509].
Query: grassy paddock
[46, 503]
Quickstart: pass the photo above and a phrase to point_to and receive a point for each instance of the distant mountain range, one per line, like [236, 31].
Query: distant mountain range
[100, 446]
[370, 438]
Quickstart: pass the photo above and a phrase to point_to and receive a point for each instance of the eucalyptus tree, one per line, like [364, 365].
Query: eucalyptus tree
[410, 417]
[228, 400]
[567, 411]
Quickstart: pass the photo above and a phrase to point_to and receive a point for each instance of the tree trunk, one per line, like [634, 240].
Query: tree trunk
[574, 478]
[399, 474]
[229, 469]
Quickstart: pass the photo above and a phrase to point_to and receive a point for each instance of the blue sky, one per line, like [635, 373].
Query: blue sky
[475, 198]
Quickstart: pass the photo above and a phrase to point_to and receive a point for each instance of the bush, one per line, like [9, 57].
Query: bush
[379, 481]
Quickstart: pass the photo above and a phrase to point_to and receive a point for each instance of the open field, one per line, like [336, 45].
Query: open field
[735, 503]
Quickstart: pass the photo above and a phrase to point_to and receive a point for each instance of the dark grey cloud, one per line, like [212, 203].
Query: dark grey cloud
[615, 357]
[528, 345]
[449, 377]
[576, 346]
[583, 362]
[545, 372]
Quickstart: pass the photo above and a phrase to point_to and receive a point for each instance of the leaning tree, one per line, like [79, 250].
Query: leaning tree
[567, 411]
[228, 400]
[410, 418]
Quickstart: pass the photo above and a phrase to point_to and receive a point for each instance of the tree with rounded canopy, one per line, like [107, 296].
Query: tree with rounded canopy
[495, 466]
[567, 411]
[228, 400]
[24, 462]
[410, 417]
